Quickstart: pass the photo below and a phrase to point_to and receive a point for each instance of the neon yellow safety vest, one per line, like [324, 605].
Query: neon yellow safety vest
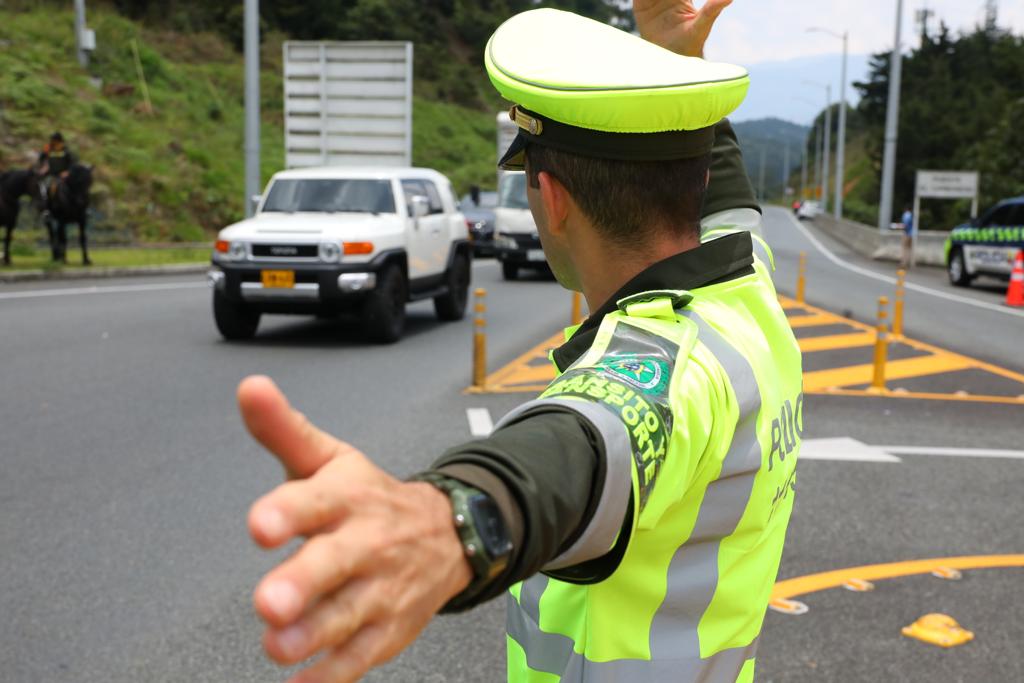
[702, 391]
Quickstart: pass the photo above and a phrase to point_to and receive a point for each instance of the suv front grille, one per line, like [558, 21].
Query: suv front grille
[285, 251]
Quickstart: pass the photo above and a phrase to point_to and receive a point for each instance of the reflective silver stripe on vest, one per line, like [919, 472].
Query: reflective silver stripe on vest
[606, 523]
[692, 574]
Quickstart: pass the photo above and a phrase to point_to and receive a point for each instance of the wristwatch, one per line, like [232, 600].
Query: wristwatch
[481, 529]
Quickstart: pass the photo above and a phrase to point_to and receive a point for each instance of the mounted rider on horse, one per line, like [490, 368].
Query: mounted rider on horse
[64, 194]
[55, 161]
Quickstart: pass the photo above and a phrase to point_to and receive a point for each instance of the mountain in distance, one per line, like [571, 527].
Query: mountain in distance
[771, 136]
[784, 89]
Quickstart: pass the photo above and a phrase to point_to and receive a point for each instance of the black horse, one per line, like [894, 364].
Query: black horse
[68, 202]
[13, 184]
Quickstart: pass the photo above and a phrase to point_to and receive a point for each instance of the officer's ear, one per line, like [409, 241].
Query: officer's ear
[556, 200]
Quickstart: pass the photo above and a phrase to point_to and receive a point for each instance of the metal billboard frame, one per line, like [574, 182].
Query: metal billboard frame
[347, 103]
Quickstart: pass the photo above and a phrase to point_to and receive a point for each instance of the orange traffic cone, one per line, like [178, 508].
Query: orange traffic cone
[1015, 292]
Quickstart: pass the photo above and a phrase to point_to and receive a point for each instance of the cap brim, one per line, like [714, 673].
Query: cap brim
[514, 158]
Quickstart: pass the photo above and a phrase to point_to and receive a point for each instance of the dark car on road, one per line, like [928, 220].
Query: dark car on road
[516, 242]
[988, 244]
[478, 208]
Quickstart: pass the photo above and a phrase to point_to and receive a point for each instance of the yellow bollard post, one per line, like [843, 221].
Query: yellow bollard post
[881, 347]
[480, 341]
[577, 315]
[897, 305]
[801, 277]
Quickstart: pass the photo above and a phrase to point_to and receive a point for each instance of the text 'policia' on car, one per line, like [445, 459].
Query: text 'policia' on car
[986, 245]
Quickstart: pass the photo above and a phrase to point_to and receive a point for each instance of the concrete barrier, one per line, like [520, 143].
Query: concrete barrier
[868, 241]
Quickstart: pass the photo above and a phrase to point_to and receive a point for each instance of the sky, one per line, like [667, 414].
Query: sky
[770, 38]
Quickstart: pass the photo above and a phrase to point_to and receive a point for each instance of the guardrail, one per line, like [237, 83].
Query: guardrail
[869, 241]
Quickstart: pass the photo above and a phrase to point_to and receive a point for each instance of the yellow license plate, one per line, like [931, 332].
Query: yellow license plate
[278, 279]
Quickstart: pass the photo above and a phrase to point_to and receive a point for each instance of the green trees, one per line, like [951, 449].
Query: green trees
[961, 108]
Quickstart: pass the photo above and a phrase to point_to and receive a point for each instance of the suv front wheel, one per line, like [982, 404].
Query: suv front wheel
[384, 310]
[452, 304]
[234, 321]
[957, 268]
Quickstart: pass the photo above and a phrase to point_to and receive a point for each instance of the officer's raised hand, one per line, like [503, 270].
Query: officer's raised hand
[676, 24]
[380, 559]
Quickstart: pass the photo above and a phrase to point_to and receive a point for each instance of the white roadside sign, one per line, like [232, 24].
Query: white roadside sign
[947, 184]
[942, 185]
[348, 103]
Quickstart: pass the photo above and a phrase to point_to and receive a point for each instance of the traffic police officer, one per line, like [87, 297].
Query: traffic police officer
[636, 511]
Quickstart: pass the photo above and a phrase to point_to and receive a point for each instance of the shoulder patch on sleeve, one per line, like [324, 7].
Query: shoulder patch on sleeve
[631, 380]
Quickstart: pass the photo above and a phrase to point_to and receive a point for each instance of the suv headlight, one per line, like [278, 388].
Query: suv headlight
[237, 251]
[330, 252]
[504, 241]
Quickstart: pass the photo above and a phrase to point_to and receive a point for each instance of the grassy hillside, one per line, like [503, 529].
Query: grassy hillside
[174, 173]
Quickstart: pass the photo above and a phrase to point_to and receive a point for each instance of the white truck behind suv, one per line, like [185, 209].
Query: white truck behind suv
[327, 241]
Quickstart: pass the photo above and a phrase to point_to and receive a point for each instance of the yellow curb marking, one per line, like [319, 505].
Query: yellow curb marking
[792, 607]
[858, 585]
[531, 372]
[903, 393]
[836, 341]
[812, 583]
[894, 369]
[814, 320]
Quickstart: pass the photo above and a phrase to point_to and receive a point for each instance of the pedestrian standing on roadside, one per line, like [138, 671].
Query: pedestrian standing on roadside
[907, 238]
[634, 514]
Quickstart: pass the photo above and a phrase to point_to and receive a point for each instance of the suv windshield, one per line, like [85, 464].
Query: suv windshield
[330, 195]
[512, 192]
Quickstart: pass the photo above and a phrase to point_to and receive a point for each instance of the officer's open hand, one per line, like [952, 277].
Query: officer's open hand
[677, 25]
[380, 559]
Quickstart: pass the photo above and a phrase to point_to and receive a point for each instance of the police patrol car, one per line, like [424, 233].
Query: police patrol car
[986, 245]
[326, 241]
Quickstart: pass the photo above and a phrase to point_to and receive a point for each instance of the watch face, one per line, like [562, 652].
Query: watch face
[490, 526]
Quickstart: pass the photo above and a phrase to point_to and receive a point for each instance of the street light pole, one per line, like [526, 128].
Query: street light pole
[818, 152]
[252, 103]
[803, 172]
[892, 115]
[826, 142]
[828, 147]
[841, 146]
[785, 171]
[83, 55]
[760, 180]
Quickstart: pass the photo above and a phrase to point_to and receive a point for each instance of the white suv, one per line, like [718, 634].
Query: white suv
[326, 241]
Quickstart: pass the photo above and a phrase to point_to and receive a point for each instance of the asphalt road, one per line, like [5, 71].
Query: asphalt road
[127, 477]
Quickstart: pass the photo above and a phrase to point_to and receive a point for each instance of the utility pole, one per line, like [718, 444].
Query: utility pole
[803, 172]
[991, 15]
[892, 115]
[760, 180]
[785, 170]
[83, 54]
[828, 149]
[252, 103]
[841, 147]
[819, 151]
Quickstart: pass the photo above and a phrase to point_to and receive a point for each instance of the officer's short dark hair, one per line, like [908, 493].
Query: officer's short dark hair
[628, 199]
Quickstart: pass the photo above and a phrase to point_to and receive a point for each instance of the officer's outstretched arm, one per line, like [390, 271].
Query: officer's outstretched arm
[380, 558]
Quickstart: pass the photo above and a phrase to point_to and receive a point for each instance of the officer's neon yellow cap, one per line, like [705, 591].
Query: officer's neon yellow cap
[592, 89]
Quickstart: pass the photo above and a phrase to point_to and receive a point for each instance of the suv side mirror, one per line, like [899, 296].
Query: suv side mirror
[255, 201]
[419, 206]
